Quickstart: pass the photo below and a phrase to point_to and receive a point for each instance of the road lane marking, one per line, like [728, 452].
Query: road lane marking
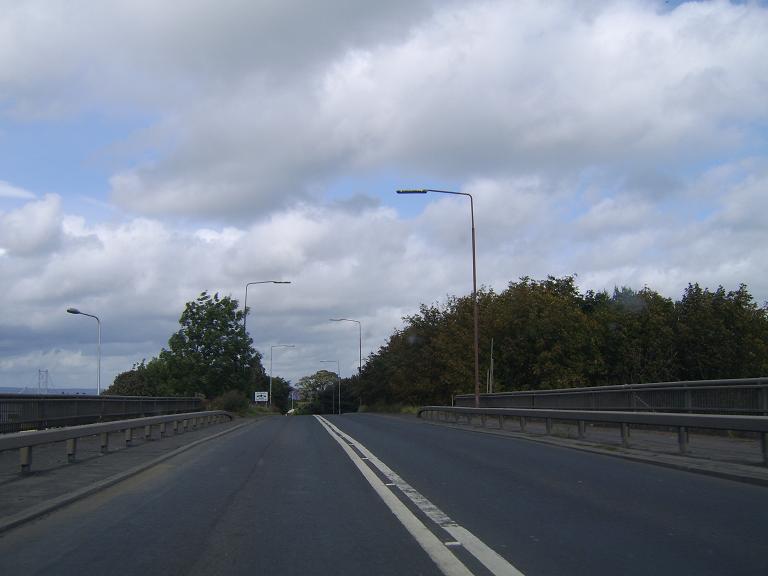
[440, 555]
[484, 553]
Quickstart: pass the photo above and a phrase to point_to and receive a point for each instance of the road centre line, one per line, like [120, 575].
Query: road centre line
[440, 555]
[485, 554]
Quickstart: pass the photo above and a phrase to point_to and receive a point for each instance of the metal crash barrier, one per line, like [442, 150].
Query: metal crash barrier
[154, 426]
[683, 422]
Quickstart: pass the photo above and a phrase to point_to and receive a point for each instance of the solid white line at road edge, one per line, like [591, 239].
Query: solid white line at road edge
[486, 555]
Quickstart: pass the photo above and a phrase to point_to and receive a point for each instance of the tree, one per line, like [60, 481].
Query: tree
[212, 353]
[721, 335]
[144, 379]
[281, 393]
[318, 392]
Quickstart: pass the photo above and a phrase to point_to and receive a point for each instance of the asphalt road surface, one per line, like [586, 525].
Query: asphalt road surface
[367, 494]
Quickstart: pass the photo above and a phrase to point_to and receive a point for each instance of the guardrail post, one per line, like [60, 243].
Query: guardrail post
[501, 421]
[25, 459]
[71, 450]
[682, 439]
[482, 420]
[549, 425]
[162, 430]
[148, 432]
[582, 429]
[129, 436]
[104, 444]
[625, 434]
[175, 427]
[764, 446]
[523, 423]
[186, 425]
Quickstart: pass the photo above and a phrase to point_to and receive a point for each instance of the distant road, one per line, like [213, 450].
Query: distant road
[365, 494]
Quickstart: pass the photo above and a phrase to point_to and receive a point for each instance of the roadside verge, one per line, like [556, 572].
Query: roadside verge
[48, 505]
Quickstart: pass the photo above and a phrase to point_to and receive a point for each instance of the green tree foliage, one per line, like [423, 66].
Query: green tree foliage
[636, 336]
[281, 394]
[319, 393]
[548, 335]
[144, 379]
[210, 355]
[720, 334]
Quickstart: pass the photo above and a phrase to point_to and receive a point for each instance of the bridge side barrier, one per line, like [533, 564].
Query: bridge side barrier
[682, 421]
[150, 427]
[731, 396]
[20, 412]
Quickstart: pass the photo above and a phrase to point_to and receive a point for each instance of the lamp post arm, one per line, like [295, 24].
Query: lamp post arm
[474, 279]
[98, 346]
[245, 301]
[98, 352]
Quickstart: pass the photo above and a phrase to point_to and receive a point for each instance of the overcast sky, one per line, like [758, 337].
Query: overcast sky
[152, 150]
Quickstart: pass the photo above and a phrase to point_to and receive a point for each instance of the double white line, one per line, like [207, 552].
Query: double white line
[438, 550]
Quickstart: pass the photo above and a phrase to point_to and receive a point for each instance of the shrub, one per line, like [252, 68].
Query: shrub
[231, 401]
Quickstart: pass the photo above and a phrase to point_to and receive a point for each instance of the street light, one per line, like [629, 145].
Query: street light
[338, 378]
[270, 365]
[474, 279]
[245, 303]
[98, 360]
[360, 329]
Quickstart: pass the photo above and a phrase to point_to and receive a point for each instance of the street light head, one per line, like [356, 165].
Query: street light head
[281, 282]
[73, 311]
[421, 191]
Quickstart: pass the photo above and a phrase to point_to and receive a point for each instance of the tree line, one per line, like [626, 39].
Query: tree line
[546, 334]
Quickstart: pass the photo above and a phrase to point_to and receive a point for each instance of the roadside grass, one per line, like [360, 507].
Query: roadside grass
[261, 411]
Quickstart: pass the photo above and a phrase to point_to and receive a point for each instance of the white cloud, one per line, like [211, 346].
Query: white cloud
[9, 191]
[263, 104]
[33, 228]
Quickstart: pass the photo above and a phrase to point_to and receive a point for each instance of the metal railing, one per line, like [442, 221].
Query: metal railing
[26, 441]
[735, 396]
[683, 422]
[20, 412]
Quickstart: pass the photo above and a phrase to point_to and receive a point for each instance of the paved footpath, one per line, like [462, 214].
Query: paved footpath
[53, 477]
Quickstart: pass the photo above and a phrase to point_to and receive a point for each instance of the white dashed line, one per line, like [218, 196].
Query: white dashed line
[440, 555]
[463, 537]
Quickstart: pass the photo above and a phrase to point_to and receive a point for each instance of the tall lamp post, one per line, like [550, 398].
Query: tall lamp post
[360, 330]
[474, 279]
[338, 378]
[98, 357]
[270, 365]
[245, 303]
